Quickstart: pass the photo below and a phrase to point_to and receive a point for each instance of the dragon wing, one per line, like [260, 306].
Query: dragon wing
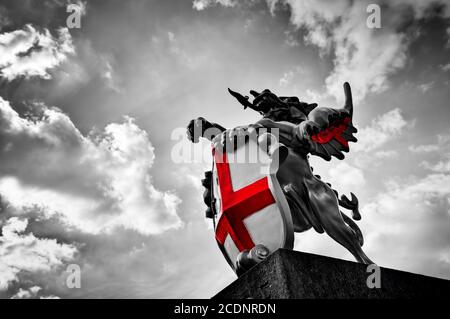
[335, 129]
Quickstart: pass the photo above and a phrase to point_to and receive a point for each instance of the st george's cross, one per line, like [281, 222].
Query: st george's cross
[251, 206]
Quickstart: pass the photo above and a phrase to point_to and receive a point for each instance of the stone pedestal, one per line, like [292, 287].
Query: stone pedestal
[292, 274]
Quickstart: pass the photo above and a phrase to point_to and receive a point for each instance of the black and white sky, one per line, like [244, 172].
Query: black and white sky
[91, 118]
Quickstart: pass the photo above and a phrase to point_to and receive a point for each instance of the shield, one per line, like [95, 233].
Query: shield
[250, 204]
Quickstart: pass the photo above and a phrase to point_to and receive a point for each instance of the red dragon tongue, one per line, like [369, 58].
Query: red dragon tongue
[334, 131]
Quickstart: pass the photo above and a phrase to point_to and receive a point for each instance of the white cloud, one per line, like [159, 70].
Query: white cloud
[104, 176]
[109, 75]
[382, 129]
[25, 252]
[203, 4]
[85, 68]
[443, 141]
[439, 162]
[386, 154]
[412, 218]
[441, 166]
[184, 53]
[29, 52]
[289, 76]
[425, 87]
[27, 293]
[49, 297]
[286, 78]
[362, 56]
[448, 34]
[33, 292]
[347, 178]
[445, 67]
[423, 148]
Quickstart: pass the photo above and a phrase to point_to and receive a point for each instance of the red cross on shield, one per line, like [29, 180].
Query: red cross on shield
[251, 206]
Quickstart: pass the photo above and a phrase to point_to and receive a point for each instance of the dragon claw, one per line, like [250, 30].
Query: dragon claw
[249, 258]
[352, 204]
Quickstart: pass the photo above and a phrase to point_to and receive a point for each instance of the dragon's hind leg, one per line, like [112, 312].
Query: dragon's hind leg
[325, 207]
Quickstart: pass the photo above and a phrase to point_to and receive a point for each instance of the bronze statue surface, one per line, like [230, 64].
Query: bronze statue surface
[304, 129]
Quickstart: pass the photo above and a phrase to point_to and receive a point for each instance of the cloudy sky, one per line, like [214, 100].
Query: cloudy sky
[91, 118]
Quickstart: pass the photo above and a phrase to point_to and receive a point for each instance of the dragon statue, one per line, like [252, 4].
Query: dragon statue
[304, 129]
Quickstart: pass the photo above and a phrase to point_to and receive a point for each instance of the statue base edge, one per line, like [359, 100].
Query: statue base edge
[288, 274]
